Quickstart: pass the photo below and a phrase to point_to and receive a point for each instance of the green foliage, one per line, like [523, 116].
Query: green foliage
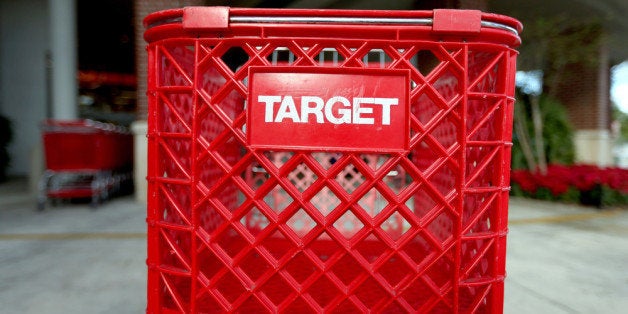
[603, 196]
[622, 119]
[579, 184]
[6, 135]
[572, 196]
[612, 198]
[557, 132]
[543, 194]
[550, 43]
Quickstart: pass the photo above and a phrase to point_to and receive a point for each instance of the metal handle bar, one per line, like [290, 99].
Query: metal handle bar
[354, 20]
[331, 20]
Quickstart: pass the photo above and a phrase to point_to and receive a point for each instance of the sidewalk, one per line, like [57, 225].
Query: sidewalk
[566, 259]
[73, 259]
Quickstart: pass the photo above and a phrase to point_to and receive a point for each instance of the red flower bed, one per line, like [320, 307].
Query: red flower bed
[582, 178]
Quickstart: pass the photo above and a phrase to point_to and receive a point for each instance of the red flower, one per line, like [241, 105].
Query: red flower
[560, 178]
[524, 179]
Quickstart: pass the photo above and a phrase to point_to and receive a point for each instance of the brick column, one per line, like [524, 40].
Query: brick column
[141, 8]
[584, 90]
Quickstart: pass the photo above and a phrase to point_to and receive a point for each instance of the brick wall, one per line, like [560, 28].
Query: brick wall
[141, 9]
[584, 91]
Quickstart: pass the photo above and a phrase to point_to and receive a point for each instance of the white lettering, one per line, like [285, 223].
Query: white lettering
[287, 110]
[336, 110]
[317, 110]
[386, 103]
[345, 114]
[270, 104]
[358, 111]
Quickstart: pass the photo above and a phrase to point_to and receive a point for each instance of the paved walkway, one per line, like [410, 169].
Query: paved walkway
[566, 259]
[72, 259]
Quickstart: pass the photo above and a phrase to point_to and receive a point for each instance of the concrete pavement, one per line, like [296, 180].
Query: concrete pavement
[566, 259]
[73, 259]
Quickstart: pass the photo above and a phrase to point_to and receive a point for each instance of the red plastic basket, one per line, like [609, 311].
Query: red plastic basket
[84, 158]
[239, 223]
[73, 145]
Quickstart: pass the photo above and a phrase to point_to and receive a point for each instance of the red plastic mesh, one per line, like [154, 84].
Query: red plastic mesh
[255, 231]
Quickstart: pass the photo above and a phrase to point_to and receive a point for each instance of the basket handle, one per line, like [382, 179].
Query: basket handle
[444, 21]
[205, 18]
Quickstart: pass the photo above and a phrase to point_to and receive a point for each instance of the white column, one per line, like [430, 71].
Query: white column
[64, 58]
[594, 147]
[140, 159]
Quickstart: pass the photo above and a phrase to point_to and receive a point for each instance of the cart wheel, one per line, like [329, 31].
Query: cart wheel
[96, 200]
[41, 205]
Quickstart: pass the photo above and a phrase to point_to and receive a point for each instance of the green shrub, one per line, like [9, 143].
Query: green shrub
[557, 132]
[585, 184]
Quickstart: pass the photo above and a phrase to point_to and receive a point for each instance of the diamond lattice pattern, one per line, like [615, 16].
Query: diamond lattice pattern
[324, 231]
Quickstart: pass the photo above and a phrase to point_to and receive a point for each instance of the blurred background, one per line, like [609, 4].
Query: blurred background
[82, 59]
[69, 59]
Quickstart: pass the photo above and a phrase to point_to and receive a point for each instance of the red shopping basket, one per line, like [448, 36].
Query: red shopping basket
[328, 161]
[75, 145]
[84, 158]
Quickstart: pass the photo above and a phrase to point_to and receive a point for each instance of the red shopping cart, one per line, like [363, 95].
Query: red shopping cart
[84, 159]
[328, 161]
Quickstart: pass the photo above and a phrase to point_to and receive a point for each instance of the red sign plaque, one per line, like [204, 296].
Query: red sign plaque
[331, 109]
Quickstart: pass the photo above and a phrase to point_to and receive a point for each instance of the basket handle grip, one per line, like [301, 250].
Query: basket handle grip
[457, 21]
[205, 18]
